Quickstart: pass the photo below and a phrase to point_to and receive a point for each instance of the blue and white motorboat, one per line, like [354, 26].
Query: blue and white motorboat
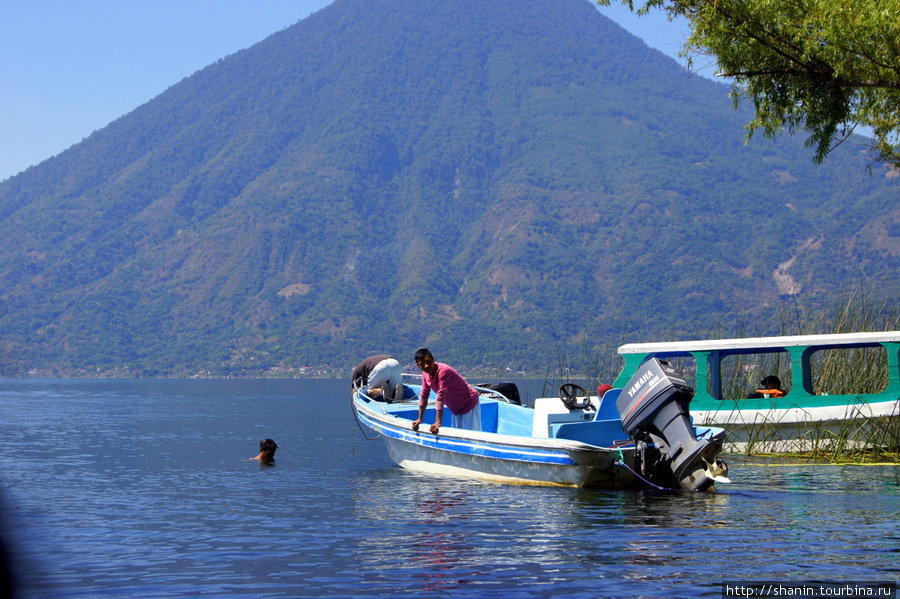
[635, 436]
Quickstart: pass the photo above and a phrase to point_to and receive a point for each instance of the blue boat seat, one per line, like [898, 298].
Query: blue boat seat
[489, 416]
[607, 408]
[603, 433]
[603, 429]
[513, 419]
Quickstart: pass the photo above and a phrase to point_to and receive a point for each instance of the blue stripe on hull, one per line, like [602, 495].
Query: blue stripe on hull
[476, 448]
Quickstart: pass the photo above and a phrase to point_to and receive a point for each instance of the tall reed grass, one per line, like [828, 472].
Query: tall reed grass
[859, 438]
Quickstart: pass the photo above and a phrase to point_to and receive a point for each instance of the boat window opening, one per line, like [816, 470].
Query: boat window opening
[742, 374]
[848, 370]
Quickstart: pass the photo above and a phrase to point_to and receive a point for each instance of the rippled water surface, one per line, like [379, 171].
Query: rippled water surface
[144, 489]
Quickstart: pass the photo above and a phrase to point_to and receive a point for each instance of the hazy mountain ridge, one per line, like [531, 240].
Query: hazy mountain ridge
[497, 180]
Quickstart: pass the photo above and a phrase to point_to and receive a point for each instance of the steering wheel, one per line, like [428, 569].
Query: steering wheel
[569, 392]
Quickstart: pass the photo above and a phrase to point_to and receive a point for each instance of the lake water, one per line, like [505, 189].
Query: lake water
[144, 489]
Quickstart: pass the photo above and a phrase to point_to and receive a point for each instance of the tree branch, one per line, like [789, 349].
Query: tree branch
[832, 80]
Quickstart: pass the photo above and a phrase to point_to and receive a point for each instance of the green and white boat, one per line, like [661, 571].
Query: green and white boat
[839, 390]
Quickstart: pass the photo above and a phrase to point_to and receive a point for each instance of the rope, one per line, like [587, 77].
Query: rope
[358, 423]
[621, 462]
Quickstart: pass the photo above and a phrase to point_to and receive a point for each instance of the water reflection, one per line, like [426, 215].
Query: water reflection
[437, 547]
[666, 509]
[451, 532]
[559, 536]
[145, 489]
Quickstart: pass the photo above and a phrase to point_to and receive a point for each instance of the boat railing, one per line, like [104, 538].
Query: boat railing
[369, 401]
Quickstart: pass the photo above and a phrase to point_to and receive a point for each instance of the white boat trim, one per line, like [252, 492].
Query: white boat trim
[796, 415]
[747, 343]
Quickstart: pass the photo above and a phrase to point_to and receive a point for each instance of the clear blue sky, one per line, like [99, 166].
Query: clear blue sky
[70, 67]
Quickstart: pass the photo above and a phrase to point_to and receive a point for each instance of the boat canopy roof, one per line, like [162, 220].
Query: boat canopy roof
[762, 343]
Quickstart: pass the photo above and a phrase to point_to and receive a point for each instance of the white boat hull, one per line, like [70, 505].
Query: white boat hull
[802, 429]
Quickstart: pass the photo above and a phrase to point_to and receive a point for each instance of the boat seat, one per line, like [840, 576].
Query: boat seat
[607, 409]
[490, 414]
[513, 419]
[549, 411]
[603, 433]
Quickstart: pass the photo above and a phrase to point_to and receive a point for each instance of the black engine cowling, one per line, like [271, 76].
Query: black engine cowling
[654, 409]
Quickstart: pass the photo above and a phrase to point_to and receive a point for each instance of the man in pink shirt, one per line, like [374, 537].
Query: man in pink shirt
[452, 390]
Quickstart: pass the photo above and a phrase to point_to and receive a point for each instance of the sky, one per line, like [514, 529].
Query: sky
[71, 67]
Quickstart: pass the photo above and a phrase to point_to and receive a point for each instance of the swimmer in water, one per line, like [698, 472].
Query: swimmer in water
[267, 449]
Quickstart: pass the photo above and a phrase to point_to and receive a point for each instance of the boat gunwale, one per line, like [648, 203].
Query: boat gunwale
[483, 438]
[797, 414]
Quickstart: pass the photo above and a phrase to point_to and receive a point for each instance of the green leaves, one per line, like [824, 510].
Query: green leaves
[824, 66]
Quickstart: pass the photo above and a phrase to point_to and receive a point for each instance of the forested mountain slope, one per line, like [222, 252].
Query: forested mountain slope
[498, 180]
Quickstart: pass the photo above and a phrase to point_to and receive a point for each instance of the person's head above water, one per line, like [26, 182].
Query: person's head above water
[267, 449]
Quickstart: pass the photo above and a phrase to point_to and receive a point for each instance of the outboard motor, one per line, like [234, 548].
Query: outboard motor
[654, 409]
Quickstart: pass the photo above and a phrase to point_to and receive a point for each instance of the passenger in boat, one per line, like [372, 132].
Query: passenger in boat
[267, 449]
[382, 374]
[769, 387]
[452, 390]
